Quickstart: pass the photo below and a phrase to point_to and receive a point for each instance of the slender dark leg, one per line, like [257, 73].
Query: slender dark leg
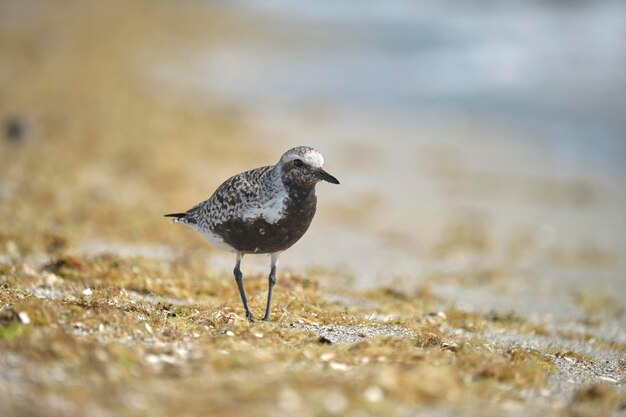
[239, 281]
[272, 281]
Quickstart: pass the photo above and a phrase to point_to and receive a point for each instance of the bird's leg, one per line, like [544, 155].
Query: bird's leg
[239, 281]
[271, 282]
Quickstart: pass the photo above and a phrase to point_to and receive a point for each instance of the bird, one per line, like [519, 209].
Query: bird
[261, 211]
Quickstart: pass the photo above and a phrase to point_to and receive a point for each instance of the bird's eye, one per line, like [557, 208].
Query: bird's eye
[298, 163]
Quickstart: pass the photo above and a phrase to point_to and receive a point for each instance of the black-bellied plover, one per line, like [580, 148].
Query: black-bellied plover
[264, 210]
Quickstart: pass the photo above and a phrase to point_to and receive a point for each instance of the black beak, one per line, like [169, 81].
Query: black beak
[325, 176]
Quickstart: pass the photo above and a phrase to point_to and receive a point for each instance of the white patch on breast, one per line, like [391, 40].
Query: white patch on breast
[271, 210]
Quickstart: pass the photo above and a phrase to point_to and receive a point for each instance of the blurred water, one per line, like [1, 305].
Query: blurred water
[514, 111]
[556, 69]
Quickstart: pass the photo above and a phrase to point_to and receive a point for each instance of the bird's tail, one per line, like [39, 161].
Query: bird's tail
[176, 217]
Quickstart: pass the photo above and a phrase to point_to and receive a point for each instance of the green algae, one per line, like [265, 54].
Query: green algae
[11, 330]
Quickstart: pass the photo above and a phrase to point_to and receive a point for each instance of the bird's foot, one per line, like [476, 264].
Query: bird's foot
[249, 316]
[266, 317]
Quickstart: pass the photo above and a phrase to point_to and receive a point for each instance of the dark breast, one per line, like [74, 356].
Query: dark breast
[259, 236]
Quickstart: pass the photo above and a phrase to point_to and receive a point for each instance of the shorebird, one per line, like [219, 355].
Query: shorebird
[262, 211]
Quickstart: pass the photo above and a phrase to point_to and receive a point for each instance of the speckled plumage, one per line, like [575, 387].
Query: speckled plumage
[264, 210]
[236, 198]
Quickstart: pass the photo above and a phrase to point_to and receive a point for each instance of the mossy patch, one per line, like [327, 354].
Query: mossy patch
[123, 334]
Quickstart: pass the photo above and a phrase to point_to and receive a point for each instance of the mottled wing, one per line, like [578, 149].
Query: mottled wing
[233, 197]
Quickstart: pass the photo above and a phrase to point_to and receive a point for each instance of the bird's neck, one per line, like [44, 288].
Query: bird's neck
[301, 193]
[297, 192]
[273, 180]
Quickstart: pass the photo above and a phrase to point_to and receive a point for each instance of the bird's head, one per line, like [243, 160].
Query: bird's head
[302, 167]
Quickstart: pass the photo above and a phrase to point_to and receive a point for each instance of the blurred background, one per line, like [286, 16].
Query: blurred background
[481, 146]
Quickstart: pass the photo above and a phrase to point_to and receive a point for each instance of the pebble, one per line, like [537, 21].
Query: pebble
[373, 394]
[152, 359]
[24, 317]
[338, 366]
